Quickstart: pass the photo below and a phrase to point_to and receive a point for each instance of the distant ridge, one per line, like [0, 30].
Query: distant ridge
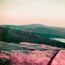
[39, 29]
[32, 33]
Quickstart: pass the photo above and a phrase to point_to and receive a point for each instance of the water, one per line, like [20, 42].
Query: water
[59, 39]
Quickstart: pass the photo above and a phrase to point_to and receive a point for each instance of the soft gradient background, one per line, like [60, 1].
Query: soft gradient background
[21, 12]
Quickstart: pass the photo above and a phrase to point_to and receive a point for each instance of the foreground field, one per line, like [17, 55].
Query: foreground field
[26, 53]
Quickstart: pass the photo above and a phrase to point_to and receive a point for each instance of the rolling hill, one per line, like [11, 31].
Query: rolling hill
[34, 33]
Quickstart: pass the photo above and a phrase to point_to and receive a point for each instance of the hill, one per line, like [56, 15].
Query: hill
[32, 33]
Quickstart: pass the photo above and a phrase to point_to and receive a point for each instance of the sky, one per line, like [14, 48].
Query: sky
[22, 12]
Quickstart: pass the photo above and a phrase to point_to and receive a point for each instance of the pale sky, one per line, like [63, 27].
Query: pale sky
[46, 12]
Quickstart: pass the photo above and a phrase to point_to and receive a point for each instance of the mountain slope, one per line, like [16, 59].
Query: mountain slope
[32, 33]
[41, 30]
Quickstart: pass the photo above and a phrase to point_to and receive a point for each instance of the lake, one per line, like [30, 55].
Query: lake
[59, 39]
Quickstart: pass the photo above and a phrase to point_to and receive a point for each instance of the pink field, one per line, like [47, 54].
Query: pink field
[32, 58]
[35, 57]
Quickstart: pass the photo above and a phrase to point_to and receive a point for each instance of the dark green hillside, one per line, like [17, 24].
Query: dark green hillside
[40, 30]
[34, 33]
